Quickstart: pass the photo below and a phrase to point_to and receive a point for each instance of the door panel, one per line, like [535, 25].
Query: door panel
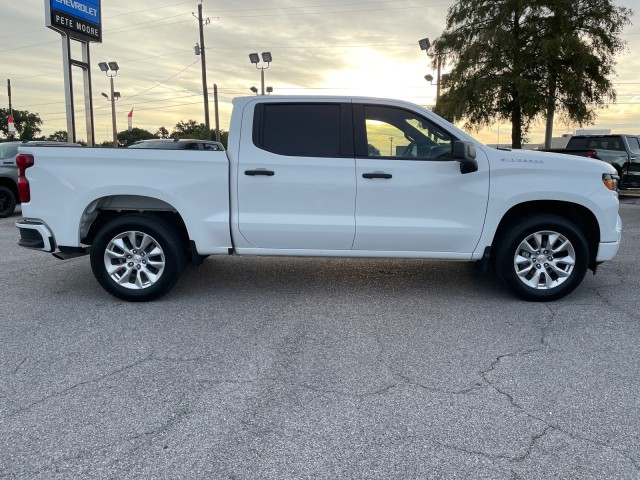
[411, 195]
[296, 177]
[308, 203]
[633, 169]
[424, 206]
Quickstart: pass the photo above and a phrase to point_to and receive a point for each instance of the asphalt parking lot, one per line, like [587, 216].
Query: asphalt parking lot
[284, 368]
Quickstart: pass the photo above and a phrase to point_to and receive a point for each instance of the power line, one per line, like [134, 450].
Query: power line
[166, 80]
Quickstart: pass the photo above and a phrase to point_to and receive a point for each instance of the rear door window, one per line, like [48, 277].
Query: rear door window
[302, 129]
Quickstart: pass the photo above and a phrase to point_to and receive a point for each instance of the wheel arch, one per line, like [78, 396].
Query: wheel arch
[580, 216]
[102, 210]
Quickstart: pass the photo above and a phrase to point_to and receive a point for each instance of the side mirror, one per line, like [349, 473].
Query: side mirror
[465, 153]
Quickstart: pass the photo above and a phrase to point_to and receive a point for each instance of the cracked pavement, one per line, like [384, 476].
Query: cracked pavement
[325, 368]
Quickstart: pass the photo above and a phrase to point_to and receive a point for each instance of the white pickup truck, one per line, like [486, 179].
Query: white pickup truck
[322, 176]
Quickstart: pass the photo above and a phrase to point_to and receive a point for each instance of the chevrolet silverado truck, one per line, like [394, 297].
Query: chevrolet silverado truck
[621, 151]
[322, 176]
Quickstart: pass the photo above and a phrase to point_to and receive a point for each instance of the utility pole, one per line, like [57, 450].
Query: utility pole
[215, 109]
[203, 60]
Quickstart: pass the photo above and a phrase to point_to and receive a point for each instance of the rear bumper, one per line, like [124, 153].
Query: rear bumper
[36, 236]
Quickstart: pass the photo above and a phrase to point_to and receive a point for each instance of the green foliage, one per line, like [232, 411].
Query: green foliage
[27, 124]
[224, 137]
[193, 129]
[58, 136]
[162, 133]
[189, 129]
[126, 137]
[512, 60]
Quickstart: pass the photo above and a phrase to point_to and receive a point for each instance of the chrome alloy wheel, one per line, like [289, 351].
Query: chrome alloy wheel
[544, 260]
[134, 260]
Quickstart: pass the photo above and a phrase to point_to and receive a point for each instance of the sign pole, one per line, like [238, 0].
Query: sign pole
[88, 94]
[68, 88]
[80, 20]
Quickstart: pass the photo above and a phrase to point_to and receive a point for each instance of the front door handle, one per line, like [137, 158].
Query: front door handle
[377, 175]
[253, 173]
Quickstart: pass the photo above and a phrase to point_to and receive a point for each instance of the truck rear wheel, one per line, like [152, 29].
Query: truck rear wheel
[7, 202]
[542, 257]
[137, 257]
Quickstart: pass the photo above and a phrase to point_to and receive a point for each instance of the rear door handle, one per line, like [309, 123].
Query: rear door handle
[253, 173]
[377, 175]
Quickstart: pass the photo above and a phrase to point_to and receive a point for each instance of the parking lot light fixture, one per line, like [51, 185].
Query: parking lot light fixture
[425, 44]
[255, 59]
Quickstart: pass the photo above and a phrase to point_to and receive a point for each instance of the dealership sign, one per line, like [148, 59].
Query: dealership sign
[79, 19]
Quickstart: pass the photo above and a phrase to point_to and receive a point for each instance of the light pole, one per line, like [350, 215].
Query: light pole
[425, 45]
[113, 67]
[266, 58]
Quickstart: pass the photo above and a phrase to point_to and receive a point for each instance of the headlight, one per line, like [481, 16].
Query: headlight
[610, 181]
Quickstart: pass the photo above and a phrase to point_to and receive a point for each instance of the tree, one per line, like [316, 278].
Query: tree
[579, 41]
[58, 136]
[224, 137]
[190, 129]
[27, 124]
[162, 133]
[502, 55]
[126, 137]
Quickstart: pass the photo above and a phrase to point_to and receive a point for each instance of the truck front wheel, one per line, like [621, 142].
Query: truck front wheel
[137, 257]
[542, 257]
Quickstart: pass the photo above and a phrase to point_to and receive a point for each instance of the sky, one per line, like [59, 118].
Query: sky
[319, 47]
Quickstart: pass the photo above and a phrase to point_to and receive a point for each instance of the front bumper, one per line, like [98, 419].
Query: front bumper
[608, 250]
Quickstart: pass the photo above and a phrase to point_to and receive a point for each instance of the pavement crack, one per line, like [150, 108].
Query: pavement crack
[408, 381]
[534, 439]
[22, 362]
[66, 390]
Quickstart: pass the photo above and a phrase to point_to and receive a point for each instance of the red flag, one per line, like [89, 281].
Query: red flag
[130, 120]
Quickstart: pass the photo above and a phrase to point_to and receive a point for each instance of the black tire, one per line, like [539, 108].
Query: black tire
[144, 243]
[7, 202]
[550, 278]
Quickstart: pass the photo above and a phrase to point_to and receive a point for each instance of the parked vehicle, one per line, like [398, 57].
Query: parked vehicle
[178, 144]
[9, 197]
[315, 176]
[621, 151]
